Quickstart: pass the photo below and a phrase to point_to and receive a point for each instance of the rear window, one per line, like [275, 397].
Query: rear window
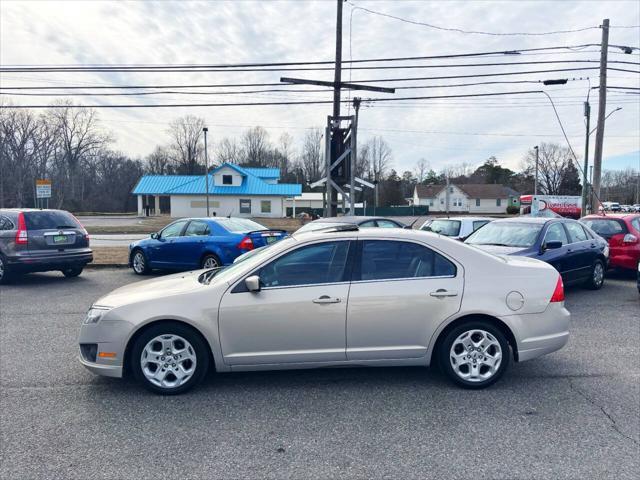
[605, 227]
[449, 228]
[50, 220]
[241, 225]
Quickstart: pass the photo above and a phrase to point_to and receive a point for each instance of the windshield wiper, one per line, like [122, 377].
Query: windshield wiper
[494, 244]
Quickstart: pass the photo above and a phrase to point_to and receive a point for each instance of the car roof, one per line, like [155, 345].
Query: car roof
[351, 219]
[473, 219]
[611, 215]
[531, 220]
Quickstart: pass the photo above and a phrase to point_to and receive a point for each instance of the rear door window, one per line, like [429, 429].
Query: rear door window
[576, 232]
[196, 229]
[479, 223]
[50, 220]
[384, 259]
[449, 228]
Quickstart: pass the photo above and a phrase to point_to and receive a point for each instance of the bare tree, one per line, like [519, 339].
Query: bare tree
[380, 157]
[256, 148]
[421, 169]
[311, 157]
[159, 162]
[229, 150]
[285, 147]
[552, 165]
[187, 143]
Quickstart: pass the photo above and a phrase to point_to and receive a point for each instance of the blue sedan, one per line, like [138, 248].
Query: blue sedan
[579, 254]
[194, 243]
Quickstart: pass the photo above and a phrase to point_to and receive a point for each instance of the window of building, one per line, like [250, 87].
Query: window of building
[498, 202]
[265, 206]
[431, 202]
[477, 202]
[450, 189]
[227, 179]
[245, 205]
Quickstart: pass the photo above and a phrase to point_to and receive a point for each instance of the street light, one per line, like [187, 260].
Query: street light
[206, 167]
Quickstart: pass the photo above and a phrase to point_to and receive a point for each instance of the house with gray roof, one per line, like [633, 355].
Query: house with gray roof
[465, 198]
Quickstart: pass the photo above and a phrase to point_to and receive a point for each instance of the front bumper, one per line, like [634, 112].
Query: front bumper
[538, 334]
[111, 338]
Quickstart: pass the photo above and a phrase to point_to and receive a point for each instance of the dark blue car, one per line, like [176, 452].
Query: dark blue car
[194, 243]
[579, 254]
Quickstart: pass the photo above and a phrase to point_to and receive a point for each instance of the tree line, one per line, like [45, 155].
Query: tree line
[70, 147]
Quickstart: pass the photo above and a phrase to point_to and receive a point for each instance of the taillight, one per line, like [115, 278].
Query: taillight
[246, 244]
[21, 234]
[630, 238]
[558, 293]
[84, 230]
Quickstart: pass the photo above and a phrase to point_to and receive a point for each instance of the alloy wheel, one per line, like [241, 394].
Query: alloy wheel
[1, 269]
[475, 355]
[210, 262]
[598, 274]
[168, 361]
[138, 262]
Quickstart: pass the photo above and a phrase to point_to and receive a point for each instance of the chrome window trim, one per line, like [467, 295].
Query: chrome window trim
[405, 279]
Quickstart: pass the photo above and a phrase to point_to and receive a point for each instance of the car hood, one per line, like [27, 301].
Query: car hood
[499, 250]
[161, 287]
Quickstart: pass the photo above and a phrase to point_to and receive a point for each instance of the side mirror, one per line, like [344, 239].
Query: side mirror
[551, 245]
[252, 283]
[155, 235]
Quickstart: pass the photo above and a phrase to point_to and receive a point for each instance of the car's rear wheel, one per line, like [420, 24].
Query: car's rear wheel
[474, 355]
[4, 270]
[139, 263]
[596, 279]
[210, 261]
[169, 358]
[72, 271]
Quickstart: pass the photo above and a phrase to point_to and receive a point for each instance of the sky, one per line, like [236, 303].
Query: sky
[445, 132]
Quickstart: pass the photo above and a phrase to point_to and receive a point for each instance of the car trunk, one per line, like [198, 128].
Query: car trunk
[52, 231]
[261, 238]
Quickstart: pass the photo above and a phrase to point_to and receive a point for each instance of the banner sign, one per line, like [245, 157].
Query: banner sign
[43, 188]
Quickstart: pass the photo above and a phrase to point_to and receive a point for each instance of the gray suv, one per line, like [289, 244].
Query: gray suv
[42, 240]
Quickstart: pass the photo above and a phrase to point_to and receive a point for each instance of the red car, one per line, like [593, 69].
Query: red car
[623, 234]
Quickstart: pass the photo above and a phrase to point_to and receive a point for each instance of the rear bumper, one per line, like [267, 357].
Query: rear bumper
[627, 261]
[29, 262]
[538, 334]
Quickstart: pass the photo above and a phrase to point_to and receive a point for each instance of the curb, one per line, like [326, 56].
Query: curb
[99, 266]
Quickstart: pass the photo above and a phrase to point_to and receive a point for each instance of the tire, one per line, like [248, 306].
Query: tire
[182, 370]
[5, 275]
[139, 263]
[497, 353]
[210, 261]
[596, 278]
[72, 271]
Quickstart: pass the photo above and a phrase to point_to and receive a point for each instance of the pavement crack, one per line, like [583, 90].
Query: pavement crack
[614, 424]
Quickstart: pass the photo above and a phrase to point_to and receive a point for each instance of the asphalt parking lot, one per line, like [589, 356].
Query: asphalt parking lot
[571, 414]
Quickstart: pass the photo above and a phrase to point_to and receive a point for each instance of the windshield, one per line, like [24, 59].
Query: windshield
[311, 226]
[506, 234]
[449, 228]
[240, 225]
[224, 273]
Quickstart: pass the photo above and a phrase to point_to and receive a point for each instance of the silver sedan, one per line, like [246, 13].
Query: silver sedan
[371, 297]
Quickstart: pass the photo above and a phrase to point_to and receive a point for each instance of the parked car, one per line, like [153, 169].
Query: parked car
[42, 240]
[578, 253]
[194, 243]
[636, 207]
[364, 222]
[457, 228]
[623, 234]
[377, 297]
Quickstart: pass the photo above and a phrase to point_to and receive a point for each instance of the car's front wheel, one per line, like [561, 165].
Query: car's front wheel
[474, 355]
[139, 263]
[169, 358]
[596, 279]
[4, 270]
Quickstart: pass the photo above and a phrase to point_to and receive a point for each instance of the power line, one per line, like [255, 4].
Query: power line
[310, 102]
[475, 32]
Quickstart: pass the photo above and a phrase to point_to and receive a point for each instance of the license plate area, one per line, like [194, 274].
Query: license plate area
[60, 239]
[271, 240]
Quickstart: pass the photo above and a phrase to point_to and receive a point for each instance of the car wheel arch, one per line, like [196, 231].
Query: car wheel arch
[126, 367]
[499, 324]
[210, 251]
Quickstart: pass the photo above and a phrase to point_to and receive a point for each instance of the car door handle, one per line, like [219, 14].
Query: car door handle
[326, 299]
[443, 293]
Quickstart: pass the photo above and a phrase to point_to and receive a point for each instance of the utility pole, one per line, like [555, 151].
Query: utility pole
[354, 156]
[585, 183]
[206, 167]
[535, 179]
[602, 106]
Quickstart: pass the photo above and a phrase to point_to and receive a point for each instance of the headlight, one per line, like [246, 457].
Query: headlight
[95, 314]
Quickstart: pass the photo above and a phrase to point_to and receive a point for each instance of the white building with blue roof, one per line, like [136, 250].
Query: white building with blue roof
[233, 190]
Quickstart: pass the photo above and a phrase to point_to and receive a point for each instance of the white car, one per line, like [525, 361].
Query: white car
[458, 228]
[347, 297]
